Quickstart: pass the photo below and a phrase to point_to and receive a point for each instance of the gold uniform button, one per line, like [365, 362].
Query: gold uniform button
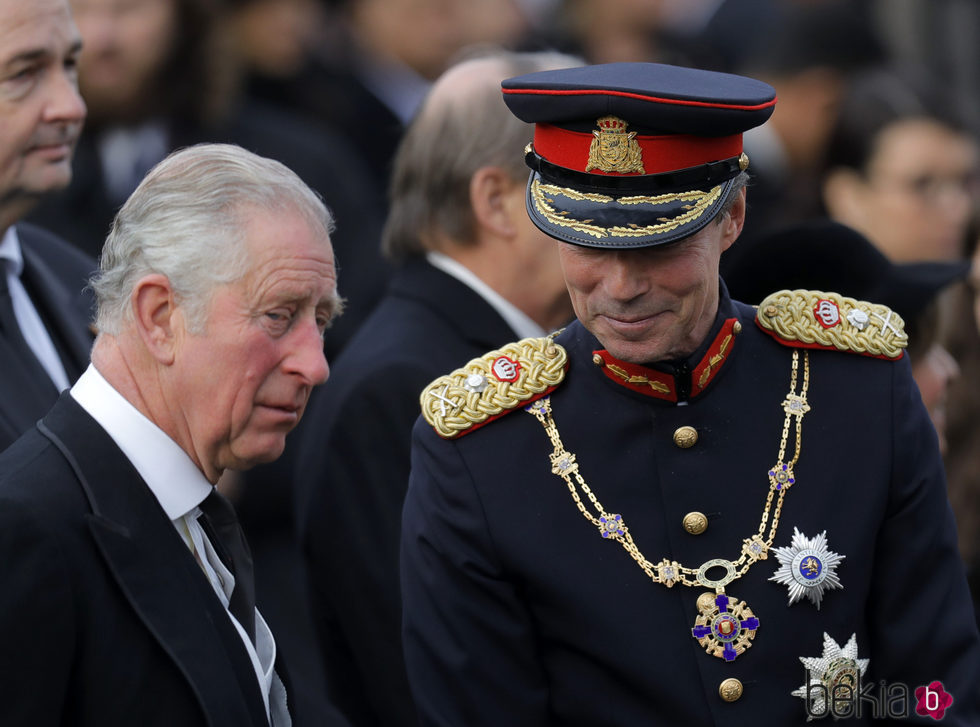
[730, 690]
[598, 360]
[737, 328]
[685, 437]
[695, 523]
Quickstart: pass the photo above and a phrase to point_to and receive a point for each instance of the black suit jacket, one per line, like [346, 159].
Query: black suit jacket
[353, 460]
[106, 617]
[55, 275]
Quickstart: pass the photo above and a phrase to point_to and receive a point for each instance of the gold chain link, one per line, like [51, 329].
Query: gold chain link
[667, 572]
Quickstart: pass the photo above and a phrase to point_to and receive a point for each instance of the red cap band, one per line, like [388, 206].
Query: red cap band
[666, 153]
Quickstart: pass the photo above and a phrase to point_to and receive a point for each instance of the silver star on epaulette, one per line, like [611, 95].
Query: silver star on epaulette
[838, 668]
[808, 567]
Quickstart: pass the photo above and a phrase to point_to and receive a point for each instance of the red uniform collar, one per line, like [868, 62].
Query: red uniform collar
[686, 383]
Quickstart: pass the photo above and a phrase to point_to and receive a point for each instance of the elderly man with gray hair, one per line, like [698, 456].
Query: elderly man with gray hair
[127, 591]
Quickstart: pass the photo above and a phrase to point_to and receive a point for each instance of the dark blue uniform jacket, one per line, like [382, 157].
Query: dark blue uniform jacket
[517, 612]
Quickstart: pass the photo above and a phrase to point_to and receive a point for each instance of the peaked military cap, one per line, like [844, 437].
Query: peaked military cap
[633, 154]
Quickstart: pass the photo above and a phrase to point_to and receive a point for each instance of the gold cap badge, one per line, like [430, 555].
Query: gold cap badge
[614, 149]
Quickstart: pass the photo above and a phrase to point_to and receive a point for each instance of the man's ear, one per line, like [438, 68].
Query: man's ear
[734, 221]
[156, 317]
[489, 189]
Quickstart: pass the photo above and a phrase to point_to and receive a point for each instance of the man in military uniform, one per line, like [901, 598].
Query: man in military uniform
[681, 510]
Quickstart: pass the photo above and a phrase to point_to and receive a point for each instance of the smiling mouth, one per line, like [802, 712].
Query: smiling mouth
[631, 327]
[631, 321]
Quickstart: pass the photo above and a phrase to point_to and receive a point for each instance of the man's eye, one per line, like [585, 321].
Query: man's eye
[20, 78]
[279, 317]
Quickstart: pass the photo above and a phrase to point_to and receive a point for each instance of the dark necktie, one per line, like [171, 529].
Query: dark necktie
[221, 525]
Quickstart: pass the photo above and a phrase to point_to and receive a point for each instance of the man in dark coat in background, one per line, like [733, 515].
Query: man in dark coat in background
[45, 313]
[474, 273]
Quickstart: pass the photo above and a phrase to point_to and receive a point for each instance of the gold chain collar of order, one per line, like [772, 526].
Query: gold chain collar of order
[725, 627]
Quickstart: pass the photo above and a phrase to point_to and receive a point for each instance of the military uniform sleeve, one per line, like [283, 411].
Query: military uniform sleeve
[469, 641]
[921, 616]
[35, 621]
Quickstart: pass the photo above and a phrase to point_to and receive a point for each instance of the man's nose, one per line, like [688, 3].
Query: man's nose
[64, 101]
[622, 278]
[308, 359]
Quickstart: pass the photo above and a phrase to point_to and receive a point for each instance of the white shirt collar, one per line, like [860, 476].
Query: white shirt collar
[11, 253]
[171, 475]
[518, 320]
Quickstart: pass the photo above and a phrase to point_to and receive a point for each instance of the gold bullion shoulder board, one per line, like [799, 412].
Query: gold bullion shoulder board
[816, 319]
[494, 384]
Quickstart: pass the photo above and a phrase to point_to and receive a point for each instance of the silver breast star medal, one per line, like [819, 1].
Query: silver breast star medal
[837, 672]
[807, 567]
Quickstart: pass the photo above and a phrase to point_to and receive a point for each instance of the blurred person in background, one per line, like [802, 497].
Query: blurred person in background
[158, 75]
[974, 570]
[808, 52]
[941, 36]
[961, 308]
[365, 67]
[473, 272]
[902, 168]
[822, 254]
[45, 311]
[610, 31]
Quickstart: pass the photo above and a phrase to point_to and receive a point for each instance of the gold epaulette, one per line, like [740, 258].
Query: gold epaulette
[815, 319]
[493, 385]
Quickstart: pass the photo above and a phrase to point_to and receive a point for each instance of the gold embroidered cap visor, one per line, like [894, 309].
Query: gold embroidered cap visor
[633, 154]
[602, 220]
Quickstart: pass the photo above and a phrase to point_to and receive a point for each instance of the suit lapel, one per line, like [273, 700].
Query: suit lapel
[27, 394]
[474, 319]
[64, 309]
[155, 570]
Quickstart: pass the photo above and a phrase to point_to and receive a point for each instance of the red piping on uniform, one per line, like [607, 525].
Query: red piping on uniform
[626, 94]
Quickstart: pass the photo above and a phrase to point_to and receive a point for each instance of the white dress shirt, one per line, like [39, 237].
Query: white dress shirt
[518, 320]
[179, 486]
[31, 325]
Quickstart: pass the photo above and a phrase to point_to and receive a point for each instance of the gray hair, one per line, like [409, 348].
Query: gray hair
[740, 182]
[186, 221]
[446, 144]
